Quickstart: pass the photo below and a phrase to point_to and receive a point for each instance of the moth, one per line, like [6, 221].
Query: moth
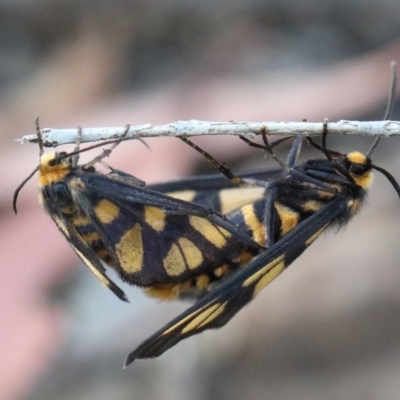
[296, 209]
[168, 246]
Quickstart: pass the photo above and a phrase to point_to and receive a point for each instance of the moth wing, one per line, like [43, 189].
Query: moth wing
[219, 306]
[216, 191]
[127, 195]
[84, 252]
[150, 245]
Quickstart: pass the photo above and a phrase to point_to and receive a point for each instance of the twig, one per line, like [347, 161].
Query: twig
[55, 137]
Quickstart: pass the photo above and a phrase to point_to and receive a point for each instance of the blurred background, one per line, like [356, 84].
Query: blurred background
[329, 327]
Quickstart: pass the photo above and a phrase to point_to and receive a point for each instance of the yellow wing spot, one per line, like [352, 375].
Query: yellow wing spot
[355, 206]
[289, 218]
[264, 270]
[60, 225]
[325, 195]
[76, 183]
[41, 199]
[191, 252]
[245, 257]
[167, 291]
[106, 211]
[49, 174]
[254, 224]
[174, 263]
[155, 217]
[69, 209]
[202, 281]
[187, 195]
[216, 235]
[337, 187]
[268, 277]
[206, 316]
[90, 237]
[221, 271]
[130, 250]
[103, 254]
[183, 320]
[311, 205]
[231, 199]
[81, 220]
[101, 277]
[316, 234]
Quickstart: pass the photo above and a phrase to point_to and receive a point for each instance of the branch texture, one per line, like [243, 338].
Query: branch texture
[55, 137]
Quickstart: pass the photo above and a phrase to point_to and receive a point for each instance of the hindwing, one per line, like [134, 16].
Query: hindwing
[217, 192]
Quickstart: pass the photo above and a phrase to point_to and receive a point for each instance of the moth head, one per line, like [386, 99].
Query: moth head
[359, 167]
[54, 160]
[54, 167]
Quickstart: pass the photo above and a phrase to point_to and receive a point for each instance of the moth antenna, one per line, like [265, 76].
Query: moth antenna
[389, 177]
[392, 91]
[388, 112]
[390, 104]
[18, 189]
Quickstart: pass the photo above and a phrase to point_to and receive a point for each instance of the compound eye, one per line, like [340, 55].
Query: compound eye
[58, 159]
[357, 169]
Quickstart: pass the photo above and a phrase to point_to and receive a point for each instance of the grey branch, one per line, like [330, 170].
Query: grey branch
[55, 137]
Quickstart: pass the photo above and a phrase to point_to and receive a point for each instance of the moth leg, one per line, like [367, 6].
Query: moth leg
[106, 152]
[227, 172]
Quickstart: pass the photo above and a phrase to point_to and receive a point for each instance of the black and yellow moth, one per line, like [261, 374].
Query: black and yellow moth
[295, 210]
[178, 248]
[100, 216]
[169, 246]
